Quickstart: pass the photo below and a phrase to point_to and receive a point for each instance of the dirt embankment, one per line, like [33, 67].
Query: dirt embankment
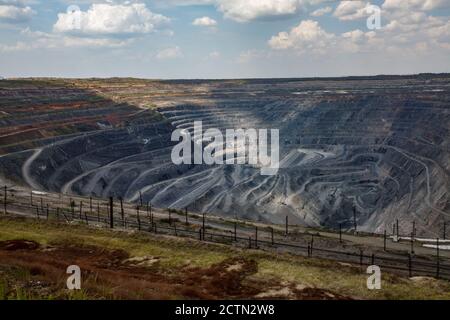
[29, 270]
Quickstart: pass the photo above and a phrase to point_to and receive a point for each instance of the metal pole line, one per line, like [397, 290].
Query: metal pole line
[5, 199]
[400, 263]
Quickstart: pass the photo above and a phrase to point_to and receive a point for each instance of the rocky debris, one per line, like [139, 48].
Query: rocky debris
[145, 261]
[14, 245]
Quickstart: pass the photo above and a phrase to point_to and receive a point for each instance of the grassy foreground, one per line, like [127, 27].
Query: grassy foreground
[131, 265]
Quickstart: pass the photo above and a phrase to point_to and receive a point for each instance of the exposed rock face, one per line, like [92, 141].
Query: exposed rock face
[373, 148]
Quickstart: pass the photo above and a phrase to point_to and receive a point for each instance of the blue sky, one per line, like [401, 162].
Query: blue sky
[222, 38]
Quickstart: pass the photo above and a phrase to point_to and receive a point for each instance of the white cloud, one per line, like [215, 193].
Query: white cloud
[321, 11]
[441, 32]
[18, 3]
[15, 14]
[186, 2]
[307, 36]
[245, 10]
[404, 32]
[354, 35]
[170, 53]
[351, 10]
[69, 41]
[51, 41]
[205, 22]
[134, 18]
[39, 39]
[248, 10]
[98, 27]
[415, 4]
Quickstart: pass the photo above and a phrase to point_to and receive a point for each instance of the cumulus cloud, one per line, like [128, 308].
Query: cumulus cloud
[44, 40]
[307, 36]
[321, 11]
[131, 18]
[170, 53]
[415, 4]
[205, 22]
[354, 35]
[113, 24]
[408, 29]
[351, 10]
[250, 10]
[18, 2]
[186, 2]
[440, 32]
[245, 10]
[15, 11]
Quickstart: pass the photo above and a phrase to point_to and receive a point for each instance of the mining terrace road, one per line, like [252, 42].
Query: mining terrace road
[297, 234]
[26, 169]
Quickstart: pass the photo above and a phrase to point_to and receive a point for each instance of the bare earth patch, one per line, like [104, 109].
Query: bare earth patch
[113, 274]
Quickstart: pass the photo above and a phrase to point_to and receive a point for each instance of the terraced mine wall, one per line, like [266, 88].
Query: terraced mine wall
[363, 152]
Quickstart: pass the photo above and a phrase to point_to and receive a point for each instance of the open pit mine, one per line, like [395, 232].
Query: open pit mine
[360, 150]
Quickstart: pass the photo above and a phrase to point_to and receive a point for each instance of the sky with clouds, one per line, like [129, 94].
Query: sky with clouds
[170, 39]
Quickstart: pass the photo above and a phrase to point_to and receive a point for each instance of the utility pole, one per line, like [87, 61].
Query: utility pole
[445, 231]
[5, 199]
[287, 225]
[72, 205]
[151, 212]
[409, 265]
[111, 213]
[437, 258]
[397, 228]
[151, 215]
[203, 225]
[122, 213]
[138, 218]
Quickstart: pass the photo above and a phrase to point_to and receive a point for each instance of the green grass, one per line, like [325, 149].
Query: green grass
[3, 289]
[175, 253]
[346, 281]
